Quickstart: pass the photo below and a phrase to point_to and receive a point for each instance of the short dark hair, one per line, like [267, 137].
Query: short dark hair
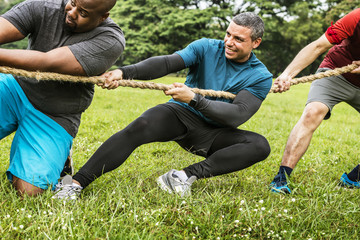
[251, 21]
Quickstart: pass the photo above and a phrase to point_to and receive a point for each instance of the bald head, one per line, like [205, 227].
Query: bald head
[85, 15]
[103, 6]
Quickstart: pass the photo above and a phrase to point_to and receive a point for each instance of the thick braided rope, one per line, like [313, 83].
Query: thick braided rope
[43, 76]
[329, 73]
[48, 76]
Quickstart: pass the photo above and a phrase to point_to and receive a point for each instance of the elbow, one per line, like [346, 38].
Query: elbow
[240, 120]
[321, 45]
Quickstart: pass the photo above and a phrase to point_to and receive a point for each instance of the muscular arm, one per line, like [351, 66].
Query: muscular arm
[154, 67]
[244, 106]
[307, 56]
[60, 60]
[303, 59]
[9, 33]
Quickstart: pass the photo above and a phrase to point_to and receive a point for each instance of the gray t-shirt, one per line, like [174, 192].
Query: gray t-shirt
[43, 21]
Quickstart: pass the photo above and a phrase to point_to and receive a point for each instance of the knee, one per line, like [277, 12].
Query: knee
[24, 188]
[313, 114]
[138, 125]
[262, 147]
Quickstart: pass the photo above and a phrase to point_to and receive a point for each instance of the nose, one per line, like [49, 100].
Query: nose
[229, 41]
[72, 13]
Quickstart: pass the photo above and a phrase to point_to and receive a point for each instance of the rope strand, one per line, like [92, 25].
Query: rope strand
[48, 76]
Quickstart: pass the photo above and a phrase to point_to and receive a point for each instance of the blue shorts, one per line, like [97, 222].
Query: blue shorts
[40, 146]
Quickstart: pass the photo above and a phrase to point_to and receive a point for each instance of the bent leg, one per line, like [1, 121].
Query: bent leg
[232, 150]
[38, 152]
[40, 145]
[158, 124]
[25, 188]
[302, 133]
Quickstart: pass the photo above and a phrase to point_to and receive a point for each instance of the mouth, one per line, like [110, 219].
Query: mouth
[229, 50]
[69, 21]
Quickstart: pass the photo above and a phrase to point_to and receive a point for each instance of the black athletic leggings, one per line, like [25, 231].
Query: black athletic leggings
[232, 150]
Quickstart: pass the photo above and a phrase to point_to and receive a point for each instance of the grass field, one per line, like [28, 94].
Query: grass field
[127, 204]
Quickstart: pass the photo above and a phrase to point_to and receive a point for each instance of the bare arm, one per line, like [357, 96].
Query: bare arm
[60, 60]
[303, 59]
[9, 33]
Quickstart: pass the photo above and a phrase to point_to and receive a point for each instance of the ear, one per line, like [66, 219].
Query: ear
[256, 43]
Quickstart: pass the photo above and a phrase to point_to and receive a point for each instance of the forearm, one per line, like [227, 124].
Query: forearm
[59, 60]
[25, 59]
[244, 106]
[154, 67]
[307, 56]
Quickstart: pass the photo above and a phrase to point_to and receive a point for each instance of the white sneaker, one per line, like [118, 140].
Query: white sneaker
[67, 190]
[172, 183]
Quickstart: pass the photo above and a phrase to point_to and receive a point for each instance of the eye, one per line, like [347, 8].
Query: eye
[83, 14]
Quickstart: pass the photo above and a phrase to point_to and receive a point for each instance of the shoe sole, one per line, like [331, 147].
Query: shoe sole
[283, 190]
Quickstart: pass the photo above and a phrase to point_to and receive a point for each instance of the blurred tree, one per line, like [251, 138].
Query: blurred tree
[289, 26]
[157, 27]
[292, 24]
[338, 8]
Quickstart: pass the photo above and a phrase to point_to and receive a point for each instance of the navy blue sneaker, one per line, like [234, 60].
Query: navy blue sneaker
[346, 182]
[280, 185]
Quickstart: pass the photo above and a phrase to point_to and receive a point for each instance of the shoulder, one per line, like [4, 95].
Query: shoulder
[54, 4]
[344, 27]
[207, 42]
[350, 19]
[259, 67]
[39, 8]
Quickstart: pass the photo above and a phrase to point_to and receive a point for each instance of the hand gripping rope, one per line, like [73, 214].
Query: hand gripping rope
[48, 76]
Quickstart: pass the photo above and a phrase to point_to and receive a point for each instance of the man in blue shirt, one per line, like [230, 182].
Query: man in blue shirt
[204, 126]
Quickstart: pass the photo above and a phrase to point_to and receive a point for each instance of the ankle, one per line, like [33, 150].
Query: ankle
[354, 175]
[76, 182]
[285, 169]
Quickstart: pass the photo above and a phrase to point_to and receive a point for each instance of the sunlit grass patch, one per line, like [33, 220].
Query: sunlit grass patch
[127, 204]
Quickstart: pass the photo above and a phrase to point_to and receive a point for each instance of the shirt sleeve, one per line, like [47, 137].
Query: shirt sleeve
[194, 52]
[23, 16]
[343, 28]
[98, 53]
[244, 106]
[154, 67]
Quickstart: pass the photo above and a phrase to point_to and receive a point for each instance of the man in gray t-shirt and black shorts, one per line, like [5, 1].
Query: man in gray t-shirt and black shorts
[69, 37]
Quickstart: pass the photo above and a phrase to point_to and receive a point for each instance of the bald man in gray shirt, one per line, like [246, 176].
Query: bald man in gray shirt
[69, 37]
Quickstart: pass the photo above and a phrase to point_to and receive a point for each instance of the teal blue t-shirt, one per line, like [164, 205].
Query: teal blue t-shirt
[210, 69]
